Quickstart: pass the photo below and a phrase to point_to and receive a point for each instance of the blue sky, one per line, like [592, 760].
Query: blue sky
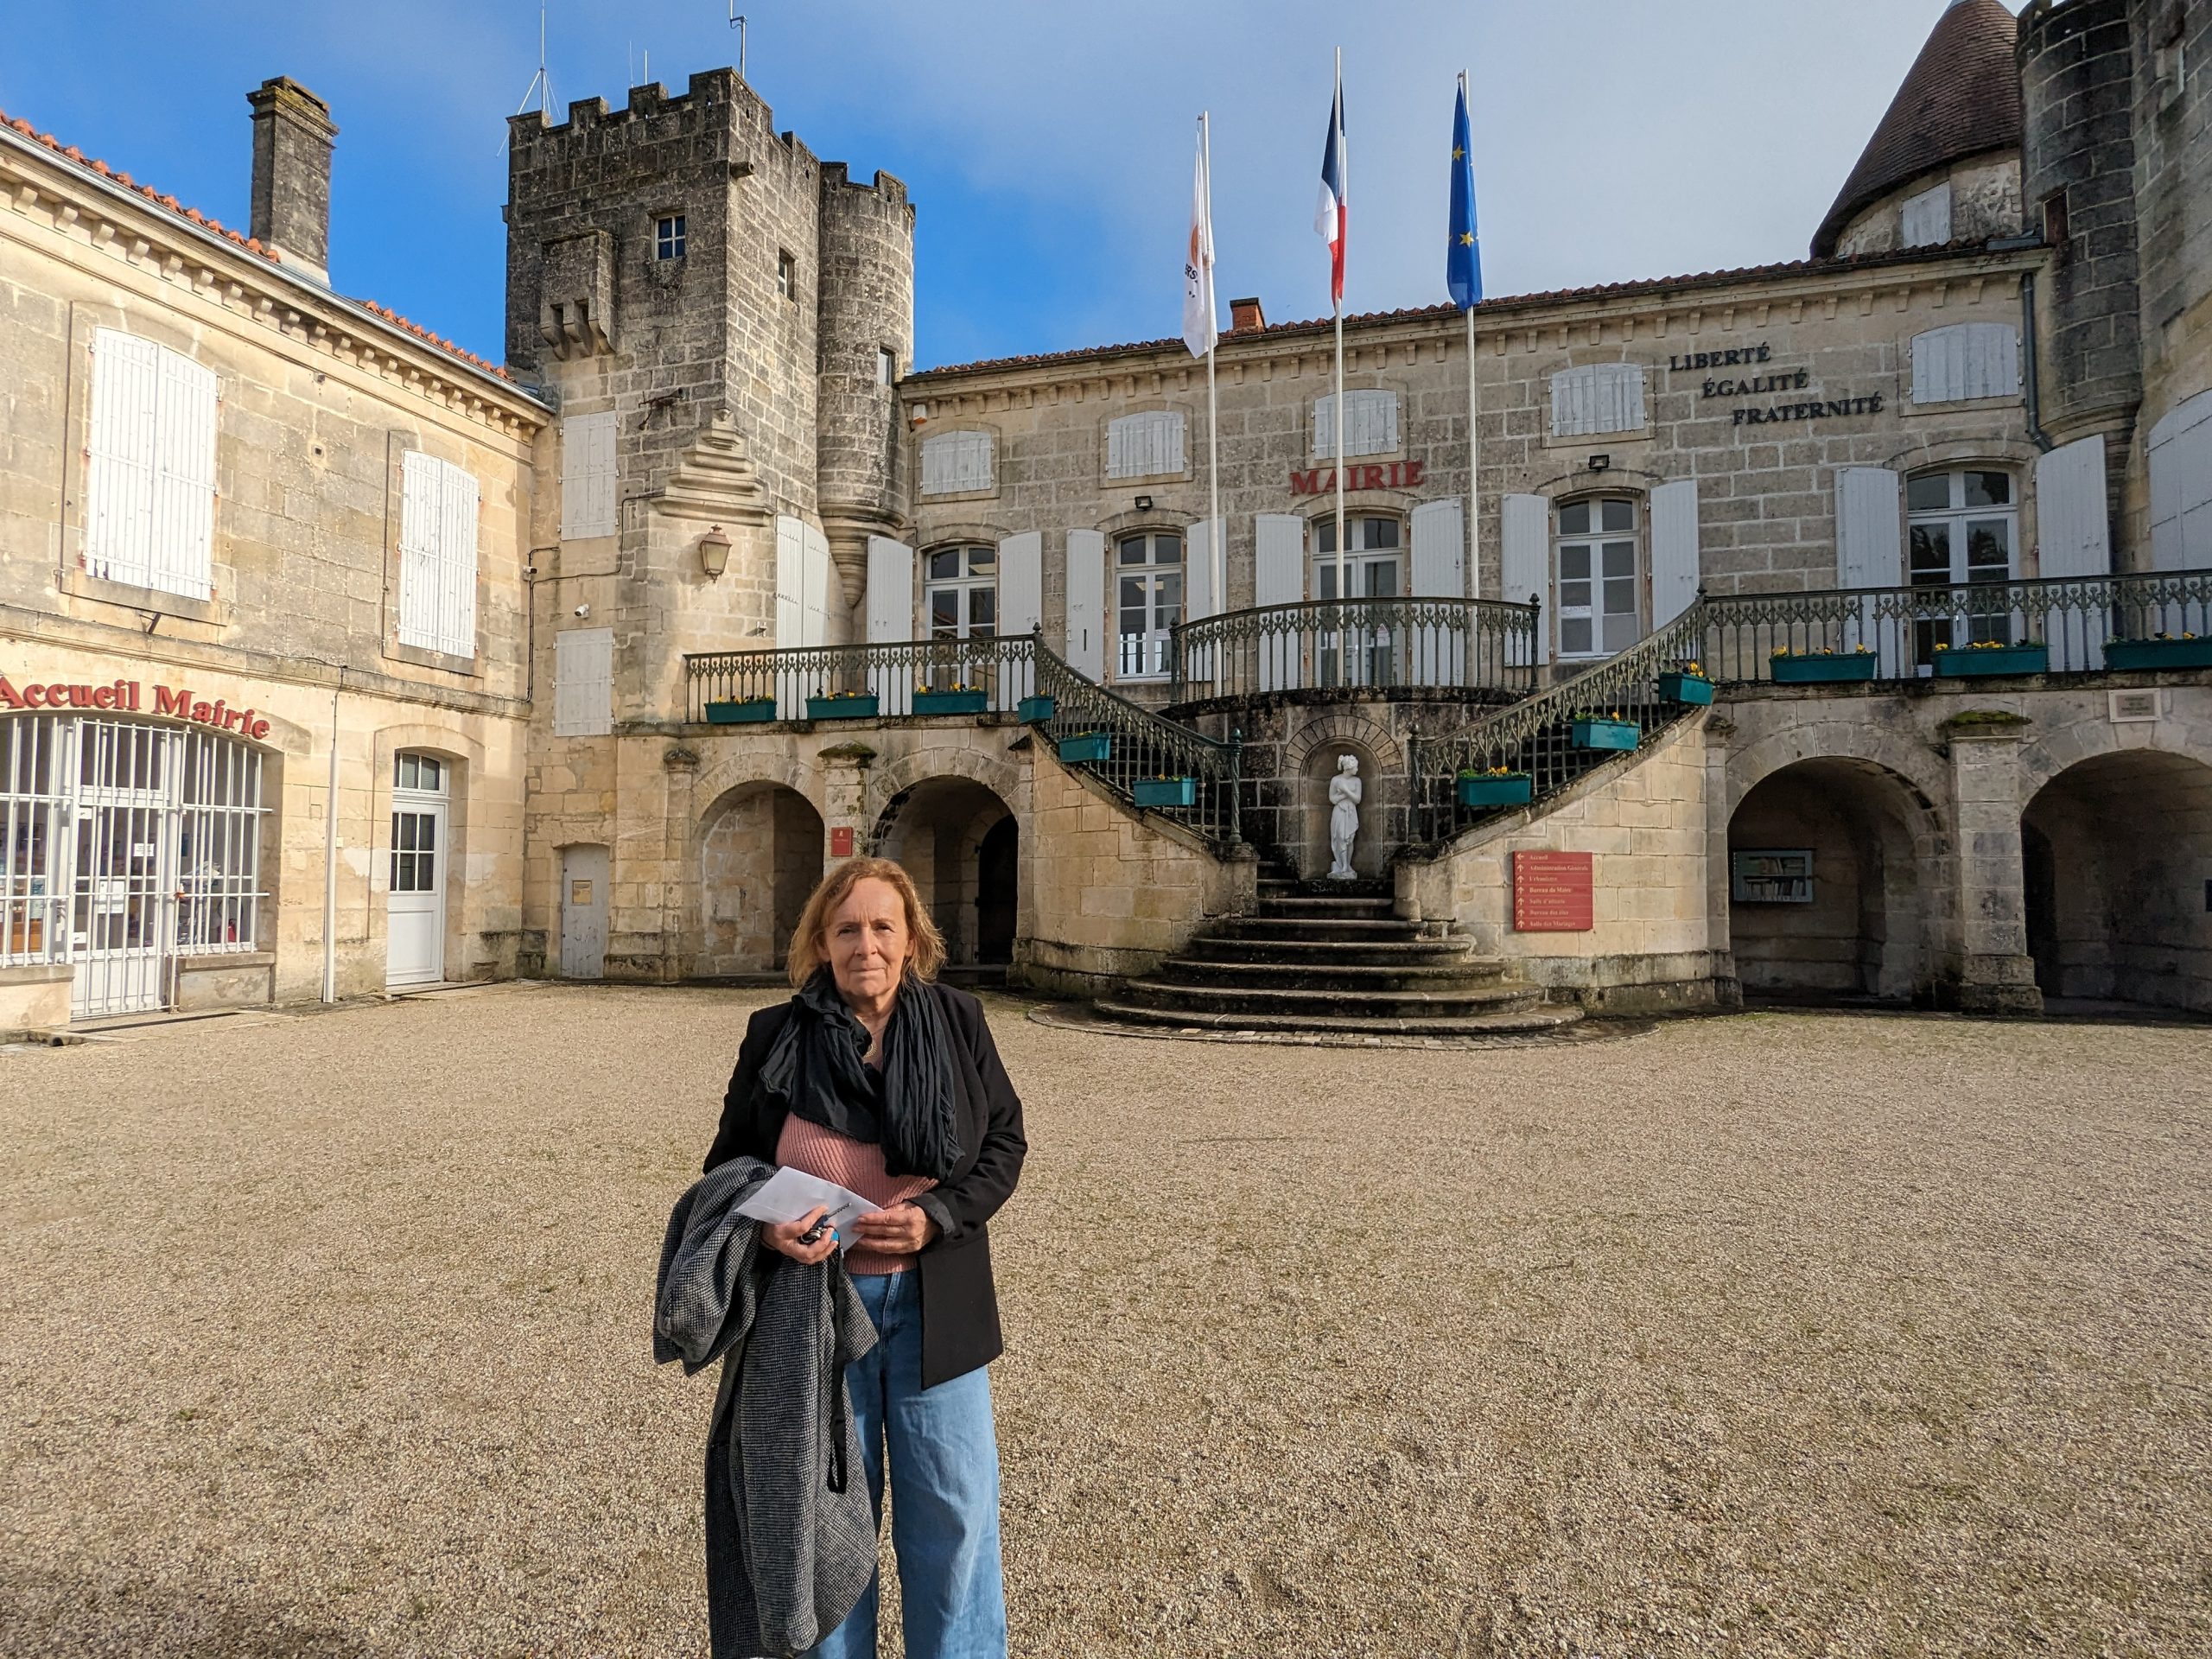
[1047, 147]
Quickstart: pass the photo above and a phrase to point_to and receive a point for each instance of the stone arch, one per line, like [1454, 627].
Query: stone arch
[726, 772]
[2186, 735]
[949, 830]
[760, 852]
[2116, 856]
[897, 774]
[1826, 736]
[1309, 761]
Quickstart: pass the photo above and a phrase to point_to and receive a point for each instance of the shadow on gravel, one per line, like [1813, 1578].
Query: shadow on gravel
[42, 1614]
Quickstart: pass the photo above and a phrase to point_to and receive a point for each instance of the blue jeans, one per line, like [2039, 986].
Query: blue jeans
[944, 1487]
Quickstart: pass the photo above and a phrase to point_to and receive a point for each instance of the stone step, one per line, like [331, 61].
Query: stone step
[1300, 929]
[1318, 905]
[1318, 1007]
[1352, 979]
[1356, 953]
[1532, 1021]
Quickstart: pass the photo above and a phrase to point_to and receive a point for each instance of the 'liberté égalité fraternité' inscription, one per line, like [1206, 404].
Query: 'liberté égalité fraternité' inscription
[1763, 383]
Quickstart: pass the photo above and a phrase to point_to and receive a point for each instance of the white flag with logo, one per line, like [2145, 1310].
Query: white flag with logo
[1198, 331]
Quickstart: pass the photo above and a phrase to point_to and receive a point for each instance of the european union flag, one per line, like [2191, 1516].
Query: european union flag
[1462, 265]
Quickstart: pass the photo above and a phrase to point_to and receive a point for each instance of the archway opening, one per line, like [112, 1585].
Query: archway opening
[2117, 854]
[760, 858]
[1824, 878]
[960, 843]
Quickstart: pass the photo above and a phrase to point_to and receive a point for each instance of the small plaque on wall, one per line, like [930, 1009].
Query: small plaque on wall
[840, 842]
[1555, 893]
[1772, 875]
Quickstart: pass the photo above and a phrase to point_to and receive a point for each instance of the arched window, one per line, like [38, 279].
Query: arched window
[1147, 601]
[1597, 564]
[1373, 563]
[960, 592]
[1963, 525]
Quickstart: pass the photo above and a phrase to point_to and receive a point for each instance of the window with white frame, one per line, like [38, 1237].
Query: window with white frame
[786, 276]
[1145, 445]
[1963, 528]
[1966, 361]
[588, 475]
[1147, 601]
[1374, 568]
[668, 237]
[1598, 398]
[1370, 424]
[1597, 556]
[418, 782]
[958, 463]
[149, 482]
[437, 555]
[960, 593]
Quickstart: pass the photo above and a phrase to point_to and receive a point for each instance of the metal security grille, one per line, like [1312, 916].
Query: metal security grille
[128, 844]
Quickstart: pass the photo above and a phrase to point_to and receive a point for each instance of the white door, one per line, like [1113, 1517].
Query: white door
[414, 944]
[1962, 531]
[1374, 569]
[583, 912]
[123, 923]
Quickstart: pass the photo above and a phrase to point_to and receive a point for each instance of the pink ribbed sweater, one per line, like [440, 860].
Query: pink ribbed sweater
[854, 1164]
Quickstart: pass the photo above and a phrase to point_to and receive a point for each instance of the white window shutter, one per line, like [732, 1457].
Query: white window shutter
[1370, 424]
[457, 589]
[1278, 578]
[1673, 550]
[583, 682]
[818, 599]
[890, 591]
[790, 583]
[1439, 551]
[958, 463]
[588, 468]
[1526, 530]
[421, 522]
[1598, 398]
[184, 478]
[1965, 361]
[2073, 527]
[1022, 584]
[1199, 597]
[1869, 534]
[1085, 641]
[2179, 453]
[1925, 219]
[1145, 445]
[120, 481]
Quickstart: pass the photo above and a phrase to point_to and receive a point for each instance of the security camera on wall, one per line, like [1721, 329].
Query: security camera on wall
[583, 610]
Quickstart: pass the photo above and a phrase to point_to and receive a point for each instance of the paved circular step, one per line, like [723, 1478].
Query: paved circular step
[1544, 1019]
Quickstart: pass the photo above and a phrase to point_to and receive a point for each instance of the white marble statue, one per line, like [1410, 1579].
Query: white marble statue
[1345, 792]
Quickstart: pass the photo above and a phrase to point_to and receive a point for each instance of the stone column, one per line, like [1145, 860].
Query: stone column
[1996, 973]
[680, 940]
[844, 797]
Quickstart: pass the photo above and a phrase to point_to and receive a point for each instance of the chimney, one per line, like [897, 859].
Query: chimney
[292, 136]
[1245, 317]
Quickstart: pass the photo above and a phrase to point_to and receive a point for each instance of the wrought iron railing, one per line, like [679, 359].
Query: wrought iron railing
[1537, 735]
[1002, 670]
[1141, 747]
[1902, 628]
[1365, 644]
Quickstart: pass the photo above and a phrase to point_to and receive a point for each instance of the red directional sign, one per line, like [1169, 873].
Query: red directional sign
[1553, 893]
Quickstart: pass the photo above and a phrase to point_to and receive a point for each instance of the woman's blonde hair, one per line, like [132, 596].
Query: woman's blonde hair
[808, 946]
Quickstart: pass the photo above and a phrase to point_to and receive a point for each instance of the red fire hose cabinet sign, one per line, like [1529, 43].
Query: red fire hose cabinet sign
[1553, 893]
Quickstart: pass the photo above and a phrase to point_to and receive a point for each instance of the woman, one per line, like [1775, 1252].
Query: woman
[876, 1077]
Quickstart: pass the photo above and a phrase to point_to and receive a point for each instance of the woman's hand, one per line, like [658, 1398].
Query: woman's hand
[900, 1230]
[785, 1237]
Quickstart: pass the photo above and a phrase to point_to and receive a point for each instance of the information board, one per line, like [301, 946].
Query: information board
[1555, 893]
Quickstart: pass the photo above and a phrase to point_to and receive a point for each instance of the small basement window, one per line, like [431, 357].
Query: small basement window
[668, 237]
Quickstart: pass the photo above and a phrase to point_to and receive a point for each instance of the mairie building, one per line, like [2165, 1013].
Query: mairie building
[1838, 629]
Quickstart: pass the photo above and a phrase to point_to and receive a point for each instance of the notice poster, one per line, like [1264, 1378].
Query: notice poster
[1553, 893]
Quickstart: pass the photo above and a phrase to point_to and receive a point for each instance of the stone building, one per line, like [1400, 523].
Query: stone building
[1861, 562]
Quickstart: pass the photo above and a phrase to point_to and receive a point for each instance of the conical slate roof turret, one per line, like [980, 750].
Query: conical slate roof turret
[1961, 98]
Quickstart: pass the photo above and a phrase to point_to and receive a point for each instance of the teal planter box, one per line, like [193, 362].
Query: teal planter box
[1514, 789]
[1607, 733]
[840, 707]
[2157, 653]
[1092, 746]
[1958, 664]
[951, 702]
[1166, 792]
[1031, 710]
[1685, 688]
[746, 711]
[1825, 668]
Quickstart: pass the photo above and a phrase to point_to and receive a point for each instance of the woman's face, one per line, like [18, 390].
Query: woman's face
[867, 941]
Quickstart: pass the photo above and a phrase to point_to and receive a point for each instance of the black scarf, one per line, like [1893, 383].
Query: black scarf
[816, 1066]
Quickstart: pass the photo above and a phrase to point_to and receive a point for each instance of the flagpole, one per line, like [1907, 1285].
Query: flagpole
[1474, 452]
[1216, 533]
[1337, 407]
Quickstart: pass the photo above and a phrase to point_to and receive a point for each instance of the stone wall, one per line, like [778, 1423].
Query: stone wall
[867, 306]
[1985, 203]
[2173, 196]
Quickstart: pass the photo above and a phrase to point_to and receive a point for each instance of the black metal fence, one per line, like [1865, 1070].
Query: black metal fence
[1364, 644]
[955, 676]
[1134, 751]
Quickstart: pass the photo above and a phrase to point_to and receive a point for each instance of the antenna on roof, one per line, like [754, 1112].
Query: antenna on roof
[737, 22]
[541, 83]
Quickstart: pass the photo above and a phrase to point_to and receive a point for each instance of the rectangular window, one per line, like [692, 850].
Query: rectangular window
[1966, 361]
[955, 463]
[150, 518]
[1598, 398]
[583, 682]
[886, 366]
[1147, 445]
[1963, 528]
[668, 237]
[1601, 583]
[437, 555]
[1149, 597]
[786, 276]
[1370, 424]
[588, 475]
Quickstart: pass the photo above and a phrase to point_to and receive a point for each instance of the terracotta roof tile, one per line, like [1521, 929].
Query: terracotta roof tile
[1960, 99]
[251, 244]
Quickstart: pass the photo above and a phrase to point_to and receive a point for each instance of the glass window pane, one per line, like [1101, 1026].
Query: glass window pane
[1168, 550]
[1619, 515]
[1620, 598]
[1620, 558]
[1931, 553]
[1989, 549]
[1574, 636]
[1574, 561]
[944, 607]
[1170, 597]
[1325, 535]
[1575, 518]
[406, 778]
[1574, 595]
[426, 878]
[1930, 493]
[427, 837]
[1132, 550]
[1989, 490]
[944, 565]
[1382, 532]
[430, 773]
[1383, 579]
[395, 874]
[1133, 599]
[982, 606]
[981, 560]
[1621, 631]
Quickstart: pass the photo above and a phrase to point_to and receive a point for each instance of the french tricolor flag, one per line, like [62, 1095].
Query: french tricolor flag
[1329, 213]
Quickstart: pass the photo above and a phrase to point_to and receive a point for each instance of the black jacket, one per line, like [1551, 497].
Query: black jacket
[960, 1305]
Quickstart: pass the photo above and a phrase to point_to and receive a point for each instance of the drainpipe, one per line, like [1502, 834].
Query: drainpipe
[330, 858]
[2028, 362]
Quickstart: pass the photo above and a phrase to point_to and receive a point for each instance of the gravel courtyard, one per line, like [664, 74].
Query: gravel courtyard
[1780, 1335]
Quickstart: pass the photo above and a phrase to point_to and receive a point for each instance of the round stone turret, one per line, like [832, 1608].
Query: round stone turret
[865, 344]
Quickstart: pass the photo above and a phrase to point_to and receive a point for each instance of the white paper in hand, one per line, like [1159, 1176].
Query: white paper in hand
[793, 1194]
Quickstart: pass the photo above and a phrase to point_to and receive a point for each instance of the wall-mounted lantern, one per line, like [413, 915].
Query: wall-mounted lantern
[713, 552]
